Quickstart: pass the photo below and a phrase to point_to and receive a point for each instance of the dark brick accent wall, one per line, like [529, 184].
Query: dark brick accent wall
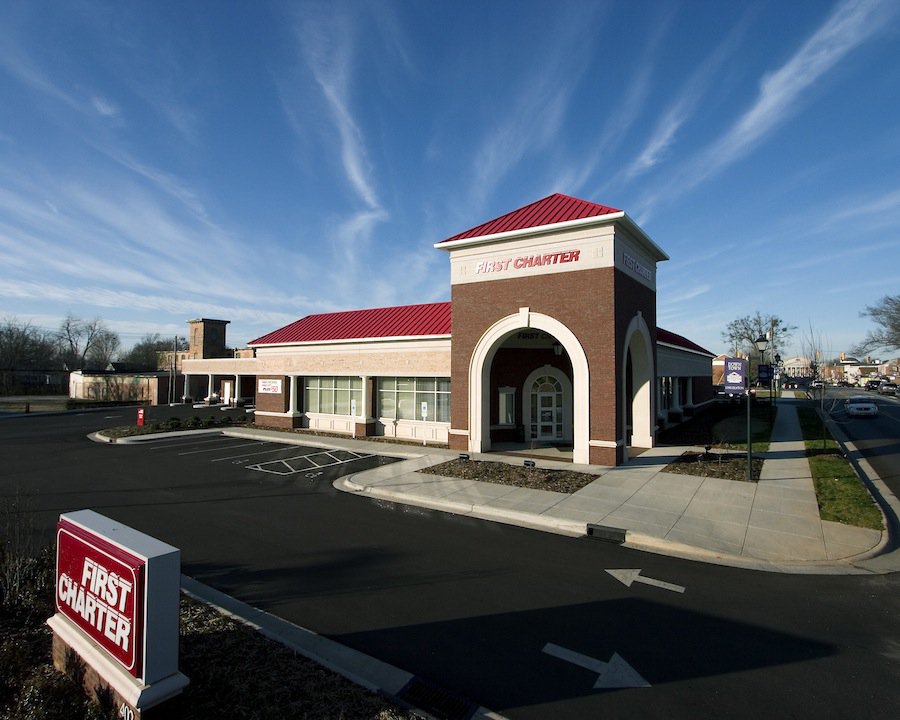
[582, 300]
[597, 305]
[269, 402]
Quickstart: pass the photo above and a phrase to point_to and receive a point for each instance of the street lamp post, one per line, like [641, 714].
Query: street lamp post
[761, 344]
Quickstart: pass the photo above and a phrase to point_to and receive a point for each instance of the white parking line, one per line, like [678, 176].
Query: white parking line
[277, 448]
[168, 444]
[262, 467]
[209, 450]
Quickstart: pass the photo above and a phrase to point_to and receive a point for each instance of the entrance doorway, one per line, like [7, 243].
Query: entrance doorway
[547, 409]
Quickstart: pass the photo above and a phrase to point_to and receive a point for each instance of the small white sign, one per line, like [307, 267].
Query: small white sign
[424, 409]
[353, 407]
[269, 386]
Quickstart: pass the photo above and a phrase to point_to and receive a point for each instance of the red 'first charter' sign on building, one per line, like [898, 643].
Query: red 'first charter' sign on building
[99, 587]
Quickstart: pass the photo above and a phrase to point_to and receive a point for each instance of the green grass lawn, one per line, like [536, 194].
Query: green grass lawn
[841, 495]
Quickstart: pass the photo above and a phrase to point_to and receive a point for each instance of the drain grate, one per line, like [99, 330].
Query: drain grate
[435, 700]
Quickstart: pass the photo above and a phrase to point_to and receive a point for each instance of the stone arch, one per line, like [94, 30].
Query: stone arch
[480, 385]
[638, 389]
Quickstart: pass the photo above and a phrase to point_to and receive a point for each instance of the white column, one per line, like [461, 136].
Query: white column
[237, 388]
[292, 406]
[187, 385]
[364, 410]
[210, 388]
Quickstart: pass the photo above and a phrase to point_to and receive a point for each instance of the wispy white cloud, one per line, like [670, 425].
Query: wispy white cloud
[685, 106]
[621, 112]
[105, 107]
[326, 39]
[850, 24]
[539, 101]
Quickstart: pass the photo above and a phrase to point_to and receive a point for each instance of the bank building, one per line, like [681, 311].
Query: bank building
[549, 339]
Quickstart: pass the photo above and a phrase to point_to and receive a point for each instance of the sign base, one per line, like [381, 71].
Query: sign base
[132, 699]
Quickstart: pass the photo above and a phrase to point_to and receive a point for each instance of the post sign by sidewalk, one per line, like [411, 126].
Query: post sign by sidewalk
[764, 373]
[735, 376]
[117, 598]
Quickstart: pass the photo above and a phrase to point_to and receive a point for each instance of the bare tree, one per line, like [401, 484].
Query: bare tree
[146, 352]
[741, 334]
[77, 339]
[105, 348]
[813, 347]
[886, 315]
[24, 347]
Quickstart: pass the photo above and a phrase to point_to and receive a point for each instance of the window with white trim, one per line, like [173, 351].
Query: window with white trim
[332, 395]
[401, 398]
[506, 414]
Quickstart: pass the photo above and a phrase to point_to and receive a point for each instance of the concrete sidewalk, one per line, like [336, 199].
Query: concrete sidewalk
[773, 524]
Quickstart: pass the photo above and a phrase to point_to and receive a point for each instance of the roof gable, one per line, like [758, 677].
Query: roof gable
[432, 319]
[553, 209]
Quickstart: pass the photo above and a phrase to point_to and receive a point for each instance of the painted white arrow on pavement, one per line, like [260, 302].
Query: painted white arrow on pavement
[612, 675]
[628, 576]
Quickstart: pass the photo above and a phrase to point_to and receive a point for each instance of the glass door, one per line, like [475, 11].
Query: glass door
[547, 416]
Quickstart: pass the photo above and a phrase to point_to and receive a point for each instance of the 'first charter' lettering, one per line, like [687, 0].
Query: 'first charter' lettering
[527, 261]
[100, 599]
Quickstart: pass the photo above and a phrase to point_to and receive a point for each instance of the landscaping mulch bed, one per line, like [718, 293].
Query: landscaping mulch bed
[562, 481]
[727, 466]
[234, 671]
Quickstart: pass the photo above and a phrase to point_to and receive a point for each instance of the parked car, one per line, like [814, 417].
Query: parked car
[872, 384]
[888, 389]
[818, 384]
[795, 384]
[860, 406]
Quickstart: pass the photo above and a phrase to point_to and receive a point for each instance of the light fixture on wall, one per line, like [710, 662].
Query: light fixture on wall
[557, 349]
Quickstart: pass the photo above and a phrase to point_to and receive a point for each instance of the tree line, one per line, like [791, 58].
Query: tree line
[77, 344]
[741, 334]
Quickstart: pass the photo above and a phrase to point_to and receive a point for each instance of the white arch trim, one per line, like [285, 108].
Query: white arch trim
[643, 418]
[480, 384]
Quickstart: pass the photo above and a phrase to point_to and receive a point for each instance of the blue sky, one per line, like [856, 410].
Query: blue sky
[260, 161]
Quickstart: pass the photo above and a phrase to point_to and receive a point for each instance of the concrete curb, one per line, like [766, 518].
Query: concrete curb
[364, 670]
[559, 526]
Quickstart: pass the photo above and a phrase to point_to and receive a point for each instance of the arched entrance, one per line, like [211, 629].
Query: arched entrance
[480, 382]
[637, 387]
[547, 406]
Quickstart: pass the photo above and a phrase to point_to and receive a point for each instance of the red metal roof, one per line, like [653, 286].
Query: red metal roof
[556, 208]
[671, 338]
[431, 319]
[403, 321]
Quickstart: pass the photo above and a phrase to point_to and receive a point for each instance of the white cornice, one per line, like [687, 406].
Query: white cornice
[597, 220]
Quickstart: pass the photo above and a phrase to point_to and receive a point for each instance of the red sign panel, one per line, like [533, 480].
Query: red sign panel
[100, 588]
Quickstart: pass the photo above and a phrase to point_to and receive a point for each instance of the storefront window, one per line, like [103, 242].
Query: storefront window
[332, 395]
[401, 398]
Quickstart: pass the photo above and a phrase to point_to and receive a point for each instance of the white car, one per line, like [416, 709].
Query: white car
[861, 406]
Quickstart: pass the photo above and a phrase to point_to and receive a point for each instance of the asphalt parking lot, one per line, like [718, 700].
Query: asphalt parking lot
[295, 462]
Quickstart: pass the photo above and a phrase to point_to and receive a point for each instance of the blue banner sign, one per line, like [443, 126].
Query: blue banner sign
[735, 375]
[764, 373]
